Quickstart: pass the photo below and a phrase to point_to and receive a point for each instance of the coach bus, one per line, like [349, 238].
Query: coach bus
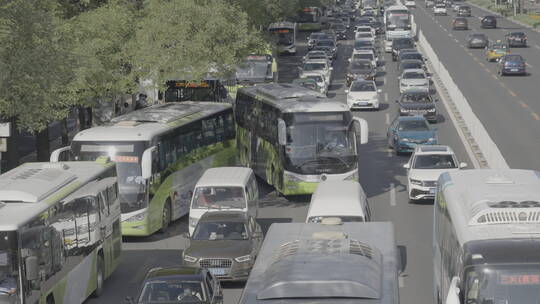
[283, 35]
[160, 152]
[60, 234]
[486, 237]
[294, 137]
[309, 19]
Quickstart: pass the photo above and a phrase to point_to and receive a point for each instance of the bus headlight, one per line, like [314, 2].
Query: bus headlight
[137, 217]
[243, 259]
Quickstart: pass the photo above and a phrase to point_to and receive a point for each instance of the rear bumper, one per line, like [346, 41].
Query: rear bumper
[513, 70]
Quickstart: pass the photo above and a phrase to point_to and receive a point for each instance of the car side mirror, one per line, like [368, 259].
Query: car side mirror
[402, 252]
[407, 166]
[349, 60]
[346, 91]
[379, 90]
[331, 68]
[146, 162]
[61, 154]
[463, 165]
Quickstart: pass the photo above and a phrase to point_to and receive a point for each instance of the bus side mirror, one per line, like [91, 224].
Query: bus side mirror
[453, 292]
[361, 130]
[146, 162]
[402, 252]
[282, 132]
[61, 154]
[32, 268]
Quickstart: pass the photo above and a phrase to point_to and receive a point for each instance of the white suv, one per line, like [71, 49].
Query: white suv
[363, 94]
[425, 166]
[439, 9]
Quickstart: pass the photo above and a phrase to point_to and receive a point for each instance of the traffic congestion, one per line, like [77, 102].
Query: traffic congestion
[334, 170]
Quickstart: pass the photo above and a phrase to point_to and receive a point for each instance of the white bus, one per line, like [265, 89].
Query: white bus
[160, 152]
[486, 237]
[284, 36]
[397, 22]
[60, 234]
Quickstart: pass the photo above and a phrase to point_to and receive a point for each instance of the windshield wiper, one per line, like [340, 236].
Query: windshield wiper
[335, 157]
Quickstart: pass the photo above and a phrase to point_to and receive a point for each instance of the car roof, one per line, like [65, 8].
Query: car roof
[433, 149]
[316, 61]
[363, 51]
[227, 216]
[185, 272]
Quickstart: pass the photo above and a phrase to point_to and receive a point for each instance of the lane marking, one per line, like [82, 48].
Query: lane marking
[538, 47]
[387, 116]
[493, 76]
[512, 93]
[400, 282]
[456, 40]
[392, 195]
[536, 116]
[523, 105]
[482, 64]
[386, 98]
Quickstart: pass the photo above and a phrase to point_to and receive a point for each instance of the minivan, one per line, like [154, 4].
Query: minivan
[224, 188]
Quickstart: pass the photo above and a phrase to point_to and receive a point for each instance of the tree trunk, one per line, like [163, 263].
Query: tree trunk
[89, 116]
[43, 146]
[12, 155]
[82, 118]
[65, 133]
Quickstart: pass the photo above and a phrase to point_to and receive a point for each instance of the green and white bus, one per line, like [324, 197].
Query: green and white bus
[60, 234]
[160, 152]
[309, 19]
[294, 137]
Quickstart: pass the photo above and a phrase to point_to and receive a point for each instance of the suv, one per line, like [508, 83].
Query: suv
[440, 9]
[460, 23]
[419, 102]
[489, 22]
[464, 11]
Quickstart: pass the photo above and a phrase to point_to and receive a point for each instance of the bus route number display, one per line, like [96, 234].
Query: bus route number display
[519, 279]
[193, 84]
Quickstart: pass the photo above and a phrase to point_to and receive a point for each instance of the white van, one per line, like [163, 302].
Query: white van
[224, 188]
[343, 199]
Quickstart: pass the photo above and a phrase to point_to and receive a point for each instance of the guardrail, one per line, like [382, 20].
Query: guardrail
[486, 152]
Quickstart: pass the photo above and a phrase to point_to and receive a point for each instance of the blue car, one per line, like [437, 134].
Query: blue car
[512, 64]
[406, 132]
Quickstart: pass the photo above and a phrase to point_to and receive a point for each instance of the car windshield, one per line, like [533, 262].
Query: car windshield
[219, 198]
[498, 284]
[403, 43]
[478, 36]
[411, 65]
[316, 53]
[434, 161]
[517, 34]
[367, 56]
[220, 231]
[440, 6]
[317, 78]
[415, 98]
[326, 43]
[413, 75]
[171, 291]
[8, 265]
[413, 125]
[314, 66]
[363, 44]
[360, 65]
[316, 35]
[416, 56]
[358, 86]
[344, 218]
[513, 58]
[363, 29]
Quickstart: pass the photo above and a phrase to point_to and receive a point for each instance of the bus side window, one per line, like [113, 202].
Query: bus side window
[103, 206]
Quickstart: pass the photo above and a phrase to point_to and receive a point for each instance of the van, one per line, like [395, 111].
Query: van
[224, 188]
[343, 199]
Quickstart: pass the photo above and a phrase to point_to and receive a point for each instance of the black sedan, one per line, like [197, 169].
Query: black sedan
[460, 23]
[514, 39]
[417, 103]
[414, 55]
[410, 64]
[179, 285]
[360, 69]
[477, 40]
[488, 22]
[512, 64]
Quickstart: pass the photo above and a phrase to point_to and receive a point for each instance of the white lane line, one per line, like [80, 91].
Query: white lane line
[400, 282]
[392, 195]
[387, 116]
[386, 97]
[538, 47]
[456, 40]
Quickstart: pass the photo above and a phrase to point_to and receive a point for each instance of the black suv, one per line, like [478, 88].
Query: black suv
[417, 103]
[489, 22]
[399, 44]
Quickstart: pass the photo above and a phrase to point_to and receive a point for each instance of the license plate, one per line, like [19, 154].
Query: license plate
[432, 191]
[362, 103]
[514, 70]
[217, 271]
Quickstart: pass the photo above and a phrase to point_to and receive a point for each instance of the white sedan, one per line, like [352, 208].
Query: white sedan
[363, 94]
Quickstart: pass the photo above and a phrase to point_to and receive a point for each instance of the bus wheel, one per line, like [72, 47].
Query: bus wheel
[166, 216]
[100, 277]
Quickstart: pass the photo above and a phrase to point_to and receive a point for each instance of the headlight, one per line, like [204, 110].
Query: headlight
[137, 218]
[404, 110]
[192, 222]
[243, 259]
[404, 84]
[415, 181]
[405, 140]
[432, 139]
[431, 110]
[190, 259]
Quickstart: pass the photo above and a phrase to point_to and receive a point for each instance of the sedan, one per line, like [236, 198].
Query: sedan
[320, 66]
[417, 103]
[322, 83]
[477, 40]
[415, 55]
[360, 69]
[406, 132]
[413, 79]
[226, 243]
[464, 11]
[460, 23]
[363, 94]
[512, 64]
[328, 43]
[488, 22]
[516, 39]
[408, 64]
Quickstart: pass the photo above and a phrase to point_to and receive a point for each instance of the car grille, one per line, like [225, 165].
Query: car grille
[430, 183]
[215, 263]
[417, 141]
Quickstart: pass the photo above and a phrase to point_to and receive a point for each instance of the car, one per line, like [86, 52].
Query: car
[460, 23]
[363, 45]
[364, 36]
[363, 94]
[178, 284]
[319, 78]
[313, 37]
[326, 49]
[413, 79]
[360, 69]
[477, 40]
[410, 3]
[340, 30]
[226, 243]
[365, 28]
[440, 9]
[307, 83]
[425, 166]
[406, 132]
[488, 22]
[365, 54]
[514, 39]
[417, 102]
[413, 55]
[328, 43]
[401, 43]
[464, 11]
[512, 64]
[316, 55]
[318, 65]
[496, 50]
[410, 64]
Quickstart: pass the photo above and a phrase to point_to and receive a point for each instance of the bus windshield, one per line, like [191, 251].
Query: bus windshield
[127, 156]
[398, 19]
[8, 265]
[319, 143]
[503, 284]
[283, 36]
[207, 90]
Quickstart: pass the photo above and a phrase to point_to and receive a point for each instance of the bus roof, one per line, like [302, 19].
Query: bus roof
[144, 124]
[492, 203]
[225, 176]
[31, 188]
[301, 262]
[283, 24]
[294, 98]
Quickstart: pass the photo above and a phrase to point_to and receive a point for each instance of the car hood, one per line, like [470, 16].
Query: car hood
[419, 135]
[428, 174]
[218, 249]
[362, 95]
[414, 81]
[416, 105]
[360, 71]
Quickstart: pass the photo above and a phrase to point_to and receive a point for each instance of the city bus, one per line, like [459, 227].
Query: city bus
[60, 233]
[397, 17]
[294, 137]
[486, 237]
[210, 89]
[160, 152]
[309, 19]
[283, 35]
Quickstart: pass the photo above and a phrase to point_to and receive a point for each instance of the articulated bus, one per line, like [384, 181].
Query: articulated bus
[284, 36]
[294, 137]
[160, 152]
[60, 234]
[309, 19]
[486, 237]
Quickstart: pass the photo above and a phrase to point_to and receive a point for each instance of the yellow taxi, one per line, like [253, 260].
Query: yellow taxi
[496, 50]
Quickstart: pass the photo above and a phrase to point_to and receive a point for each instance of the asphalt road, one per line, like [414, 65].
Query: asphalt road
[381, 175]
[507, 106]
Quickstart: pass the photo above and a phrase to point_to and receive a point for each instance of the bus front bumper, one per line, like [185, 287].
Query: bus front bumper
[298, 184]
[136, 224]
